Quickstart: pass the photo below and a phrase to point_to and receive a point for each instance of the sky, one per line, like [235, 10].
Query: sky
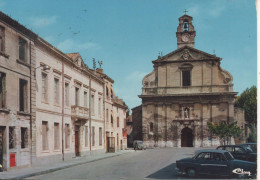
[127, 35]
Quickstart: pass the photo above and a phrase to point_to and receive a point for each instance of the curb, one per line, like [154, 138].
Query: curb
[58, 168]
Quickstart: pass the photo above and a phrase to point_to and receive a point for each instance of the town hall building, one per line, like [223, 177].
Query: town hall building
[186, 90]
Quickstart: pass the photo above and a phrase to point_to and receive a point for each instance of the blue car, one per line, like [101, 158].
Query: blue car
[240, 152]
[215, 162]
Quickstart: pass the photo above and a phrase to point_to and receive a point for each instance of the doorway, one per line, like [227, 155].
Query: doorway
[2, 129]
[77, 140]
[186, 137]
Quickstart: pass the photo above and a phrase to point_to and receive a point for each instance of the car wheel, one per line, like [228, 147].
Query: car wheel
[191, 172]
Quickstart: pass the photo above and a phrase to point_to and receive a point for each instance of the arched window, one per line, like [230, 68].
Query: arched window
[185, 25]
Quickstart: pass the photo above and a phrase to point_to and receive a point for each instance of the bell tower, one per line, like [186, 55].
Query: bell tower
[185, 31]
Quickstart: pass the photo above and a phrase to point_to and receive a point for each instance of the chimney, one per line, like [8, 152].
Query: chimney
[99, 70]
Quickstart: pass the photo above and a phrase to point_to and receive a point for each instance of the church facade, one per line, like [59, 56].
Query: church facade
[186, 90]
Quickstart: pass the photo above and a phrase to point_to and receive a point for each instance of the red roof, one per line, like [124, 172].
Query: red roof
[72, 55]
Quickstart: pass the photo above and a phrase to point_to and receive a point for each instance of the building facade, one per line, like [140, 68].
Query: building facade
[186, 90]
[115, 116]
[17, 93]
[52, 106]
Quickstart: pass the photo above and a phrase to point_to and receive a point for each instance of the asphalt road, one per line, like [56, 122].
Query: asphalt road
[147, 164]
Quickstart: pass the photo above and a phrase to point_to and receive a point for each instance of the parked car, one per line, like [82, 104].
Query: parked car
[214, 162]
[240, 152]
[139, 145]
[252, 146]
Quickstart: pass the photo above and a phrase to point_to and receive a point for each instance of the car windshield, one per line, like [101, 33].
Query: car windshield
[228, 156]
[252, 147]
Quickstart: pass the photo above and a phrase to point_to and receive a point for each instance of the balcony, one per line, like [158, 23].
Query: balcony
[79, 113]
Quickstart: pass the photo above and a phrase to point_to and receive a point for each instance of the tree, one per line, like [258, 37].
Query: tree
[248, 102]
[224, 130]
[253, 134]
[156, 137]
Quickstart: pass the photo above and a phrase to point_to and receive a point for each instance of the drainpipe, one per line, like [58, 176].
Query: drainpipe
[104, 114]
[31, 101]
[89, 102]
[62, 116]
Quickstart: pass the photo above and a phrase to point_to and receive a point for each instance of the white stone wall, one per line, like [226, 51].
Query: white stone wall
[51, 112]
[10, 115]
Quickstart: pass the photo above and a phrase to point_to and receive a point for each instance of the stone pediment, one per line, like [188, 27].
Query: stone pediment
[186, 53]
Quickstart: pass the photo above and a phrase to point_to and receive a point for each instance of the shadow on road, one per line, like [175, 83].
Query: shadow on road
[167, 172]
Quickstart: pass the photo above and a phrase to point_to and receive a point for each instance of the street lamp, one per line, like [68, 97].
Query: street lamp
[44, 67]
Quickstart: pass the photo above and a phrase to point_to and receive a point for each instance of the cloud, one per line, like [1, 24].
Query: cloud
[69, 45]
[42, 21]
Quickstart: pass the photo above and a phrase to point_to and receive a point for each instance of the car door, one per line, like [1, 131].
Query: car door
[201, 163]
[220, 165]
[207, 164]
[240, 153]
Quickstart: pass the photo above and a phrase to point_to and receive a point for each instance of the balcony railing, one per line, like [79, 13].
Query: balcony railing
[187, 90]
[79, 112]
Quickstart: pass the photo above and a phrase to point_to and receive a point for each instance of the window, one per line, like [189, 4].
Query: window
[99, 107]
[56, 136]
[112, 120]
[111, 93]
[77, 96]
[22, 49]
[107, 115]
[67, 135]
[11, 137]
[100, 136]
[107, 92]
[24, 137]
[85, 99]
[151, 127]
[185, 25]
[93, 136]
[2, 90]
[2, 39]
[218, 157]
[239, 150]
[117, 140]
[230, 149]
[56, 91]
[186, 78]
[45, 129]
[117, 121]
[66, 95]
[44, 87]
[92, 104]
[86, 136]
[23, 95]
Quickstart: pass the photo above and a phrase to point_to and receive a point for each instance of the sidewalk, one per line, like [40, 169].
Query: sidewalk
[47, 168]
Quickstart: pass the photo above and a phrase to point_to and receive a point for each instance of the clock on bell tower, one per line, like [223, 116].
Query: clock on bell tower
[185, 32]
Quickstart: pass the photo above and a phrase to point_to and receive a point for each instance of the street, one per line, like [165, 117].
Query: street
[146, 164]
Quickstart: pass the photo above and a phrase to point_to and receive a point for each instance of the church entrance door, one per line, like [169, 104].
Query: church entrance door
[186, 137]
